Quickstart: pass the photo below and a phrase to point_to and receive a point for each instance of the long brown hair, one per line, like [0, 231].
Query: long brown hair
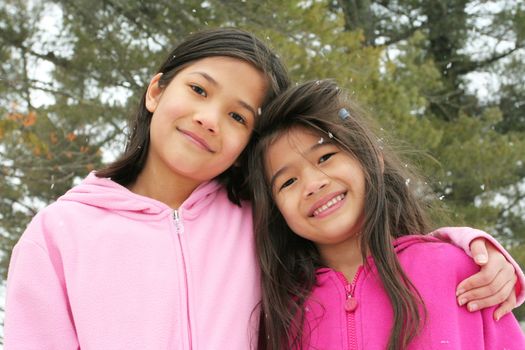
[230, 42]
[288, 261]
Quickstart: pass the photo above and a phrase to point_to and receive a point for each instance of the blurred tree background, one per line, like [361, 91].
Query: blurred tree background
[447, 77]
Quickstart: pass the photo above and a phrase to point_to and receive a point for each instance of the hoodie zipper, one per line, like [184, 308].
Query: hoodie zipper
[179, 227]
[350, 305]
[178, 222]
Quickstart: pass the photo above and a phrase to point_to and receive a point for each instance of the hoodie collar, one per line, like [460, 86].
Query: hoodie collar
[107, 194]
[399, 245]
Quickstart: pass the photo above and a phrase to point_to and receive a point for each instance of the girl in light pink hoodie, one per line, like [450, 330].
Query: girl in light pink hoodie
[338, 235]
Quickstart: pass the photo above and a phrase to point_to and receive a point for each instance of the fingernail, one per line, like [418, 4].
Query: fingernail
[460, 291]
[472, 307]
[481, 258]
[462, 301]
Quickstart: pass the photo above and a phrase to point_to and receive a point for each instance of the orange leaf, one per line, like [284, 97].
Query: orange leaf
[30, 119]
[71, 136]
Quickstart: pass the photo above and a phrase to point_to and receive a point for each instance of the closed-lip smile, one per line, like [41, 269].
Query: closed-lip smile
[199, 141]
[326, 203]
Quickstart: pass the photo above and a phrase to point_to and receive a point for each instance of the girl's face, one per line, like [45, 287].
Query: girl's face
[318, 188]
[203, 119]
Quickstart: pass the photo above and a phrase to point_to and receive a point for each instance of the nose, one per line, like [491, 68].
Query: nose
[209, 120]
[316, 180]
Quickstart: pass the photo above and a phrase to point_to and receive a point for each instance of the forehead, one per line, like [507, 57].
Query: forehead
[222, 66]
[297, 138]
[291, 144]
[216, 60]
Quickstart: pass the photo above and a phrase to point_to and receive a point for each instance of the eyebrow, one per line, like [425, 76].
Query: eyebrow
[314, 147]
[248, 107]
[216, 83]
[207, 77]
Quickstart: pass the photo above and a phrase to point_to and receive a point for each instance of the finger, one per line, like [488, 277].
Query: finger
[502, 283]
[481, 279]
[505, 307]
[494, 299]
[478, 250]
[497, 264]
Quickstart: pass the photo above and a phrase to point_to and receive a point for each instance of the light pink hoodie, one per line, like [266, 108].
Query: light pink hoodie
[435, 268]
[104, 268]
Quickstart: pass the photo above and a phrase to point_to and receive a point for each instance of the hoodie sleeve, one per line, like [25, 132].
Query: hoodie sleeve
[463, 236]
[37, 313]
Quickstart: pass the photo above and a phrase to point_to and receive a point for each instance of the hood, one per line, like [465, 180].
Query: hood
[400, 244]
[107, 194]
[404, 242]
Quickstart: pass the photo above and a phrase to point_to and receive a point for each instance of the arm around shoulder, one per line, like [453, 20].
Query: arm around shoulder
[463, 237]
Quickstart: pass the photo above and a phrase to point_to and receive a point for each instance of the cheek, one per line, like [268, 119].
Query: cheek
[170, 107]
[236, 142]
[172, 111]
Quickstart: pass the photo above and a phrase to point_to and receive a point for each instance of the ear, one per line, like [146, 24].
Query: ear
[382, 162]
[153, 93]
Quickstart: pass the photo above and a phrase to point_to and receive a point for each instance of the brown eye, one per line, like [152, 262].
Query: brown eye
[198, 90]
[325, 157]
[287, 183]
[238, 118]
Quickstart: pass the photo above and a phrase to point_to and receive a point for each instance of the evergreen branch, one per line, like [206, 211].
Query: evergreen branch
[32, 210]
[471, 66]
[134, 19]
[516, 199]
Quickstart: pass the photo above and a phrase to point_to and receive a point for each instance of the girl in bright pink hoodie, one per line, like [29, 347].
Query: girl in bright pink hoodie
[338, 225]
[156, 251]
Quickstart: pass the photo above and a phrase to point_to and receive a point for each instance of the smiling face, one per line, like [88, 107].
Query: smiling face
[203, 119]
[318, 188]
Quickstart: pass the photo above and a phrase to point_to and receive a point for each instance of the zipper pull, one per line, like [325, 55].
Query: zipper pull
[178, 222]
[351, 302]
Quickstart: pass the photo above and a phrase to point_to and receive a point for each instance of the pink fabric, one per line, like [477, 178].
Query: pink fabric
[435, 268]
[104, 268]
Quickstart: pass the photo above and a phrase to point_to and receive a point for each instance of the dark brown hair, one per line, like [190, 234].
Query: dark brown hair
[230, 42]
[288, 261]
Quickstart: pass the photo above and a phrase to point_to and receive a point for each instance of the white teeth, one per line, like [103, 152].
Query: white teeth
[328, 204]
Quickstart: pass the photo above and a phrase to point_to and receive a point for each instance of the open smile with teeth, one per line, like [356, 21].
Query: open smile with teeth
[328, 204]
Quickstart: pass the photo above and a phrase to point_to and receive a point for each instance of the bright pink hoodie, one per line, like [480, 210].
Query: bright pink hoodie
[435, 268]
[104, 268]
